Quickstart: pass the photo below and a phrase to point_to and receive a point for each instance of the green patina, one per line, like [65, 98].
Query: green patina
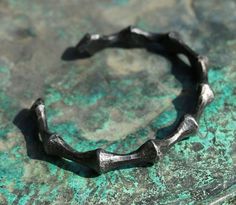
[102, 102]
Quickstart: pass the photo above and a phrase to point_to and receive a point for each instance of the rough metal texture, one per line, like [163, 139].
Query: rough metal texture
[116, 100]
[101, 161]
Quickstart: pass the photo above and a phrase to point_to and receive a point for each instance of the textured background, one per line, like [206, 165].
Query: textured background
[115, 100]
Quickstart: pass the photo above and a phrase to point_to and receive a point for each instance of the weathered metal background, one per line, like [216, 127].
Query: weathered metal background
[115, 100]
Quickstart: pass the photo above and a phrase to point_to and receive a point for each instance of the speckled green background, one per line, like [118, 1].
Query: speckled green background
[115, 100]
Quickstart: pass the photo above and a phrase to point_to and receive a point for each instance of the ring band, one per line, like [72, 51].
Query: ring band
[152, 150]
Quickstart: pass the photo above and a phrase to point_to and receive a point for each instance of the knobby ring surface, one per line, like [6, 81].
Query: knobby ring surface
[152, 150]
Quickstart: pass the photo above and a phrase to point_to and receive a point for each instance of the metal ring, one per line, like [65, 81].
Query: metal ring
[152, 150]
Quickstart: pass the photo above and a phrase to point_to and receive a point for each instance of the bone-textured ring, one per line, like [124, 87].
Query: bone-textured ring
[152, 150]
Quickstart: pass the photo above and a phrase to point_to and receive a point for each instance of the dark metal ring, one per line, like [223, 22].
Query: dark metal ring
[152, 150]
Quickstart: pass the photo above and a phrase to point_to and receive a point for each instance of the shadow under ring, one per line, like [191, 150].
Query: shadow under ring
[152, 150]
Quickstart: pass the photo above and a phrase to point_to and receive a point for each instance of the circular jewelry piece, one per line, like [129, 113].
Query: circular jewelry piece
[152, 150]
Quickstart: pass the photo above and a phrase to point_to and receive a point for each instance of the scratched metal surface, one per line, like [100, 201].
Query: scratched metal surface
[115, 100]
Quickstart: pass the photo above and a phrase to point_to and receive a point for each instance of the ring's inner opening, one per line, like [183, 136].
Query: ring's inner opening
[118, 91]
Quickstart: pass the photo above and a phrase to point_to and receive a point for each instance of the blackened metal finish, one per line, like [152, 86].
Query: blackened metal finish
[151, 151]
